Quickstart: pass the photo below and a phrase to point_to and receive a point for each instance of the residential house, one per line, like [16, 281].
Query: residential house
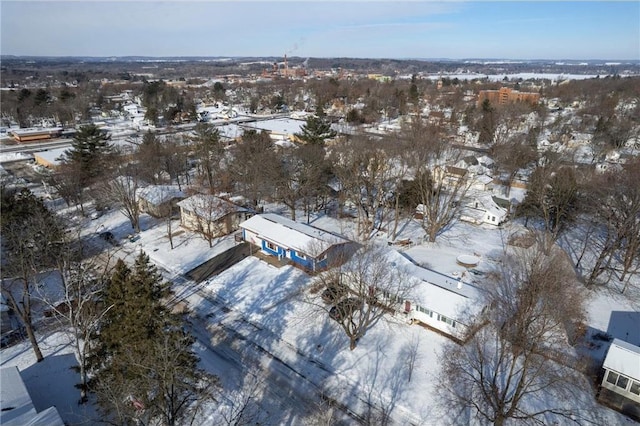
[16, 405]
[439, 301]
[281, 130]
[211, 216]
[160, 200]
[451, 176]
[620, 387]
[485, 209]
[306, 246]
[50, 158]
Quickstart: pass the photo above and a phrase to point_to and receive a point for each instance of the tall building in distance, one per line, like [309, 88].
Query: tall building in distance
[505, 95]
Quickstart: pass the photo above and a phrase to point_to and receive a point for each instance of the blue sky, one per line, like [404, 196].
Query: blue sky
[374, 29]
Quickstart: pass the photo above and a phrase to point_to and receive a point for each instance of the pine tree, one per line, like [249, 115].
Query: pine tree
[90, 151]
[316, 130]
[143, 364]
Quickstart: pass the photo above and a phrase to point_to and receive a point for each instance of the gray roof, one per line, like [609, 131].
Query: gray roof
[16, 405]
[160, 194]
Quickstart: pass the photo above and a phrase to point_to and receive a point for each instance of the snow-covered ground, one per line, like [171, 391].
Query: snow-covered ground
[257, 320]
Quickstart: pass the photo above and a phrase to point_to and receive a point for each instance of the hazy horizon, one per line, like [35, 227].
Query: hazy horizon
[425, 30]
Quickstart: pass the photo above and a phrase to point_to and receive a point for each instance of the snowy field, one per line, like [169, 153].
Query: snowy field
[260, 320]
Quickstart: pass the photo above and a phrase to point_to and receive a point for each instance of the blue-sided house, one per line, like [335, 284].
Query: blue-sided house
[309, 247]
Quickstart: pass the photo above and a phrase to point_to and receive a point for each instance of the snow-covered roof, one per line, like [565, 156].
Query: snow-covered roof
[284, 126]
[16, 405]
[289, 234]
[624, 358]
[52, 156]
[35, 131]
[441, 293]
[159, 194]
[209, 207]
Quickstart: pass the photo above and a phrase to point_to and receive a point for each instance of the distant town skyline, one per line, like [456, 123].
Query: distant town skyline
[515, 30]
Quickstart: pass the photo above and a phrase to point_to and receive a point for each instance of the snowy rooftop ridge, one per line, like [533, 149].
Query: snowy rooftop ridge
[210, 207]
[445, 282]
[158, 194]
[286, 232]
[623, 357]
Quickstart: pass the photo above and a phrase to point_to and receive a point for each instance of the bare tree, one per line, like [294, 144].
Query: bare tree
[68, 182]
[78, 307]
[553, 197]
[517, 355]
[616, 209]
[512, 155]
[209, 152]
[240, 407]
[122, 191]
[440, 196]
[254, 181]
[213, 216]
[435, 187]
[364, 289]
[368, 177]
[31, 238]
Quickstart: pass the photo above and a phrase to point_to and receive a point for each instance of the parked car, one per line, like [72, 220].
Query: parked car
[334, 292]
[345, 308]
[11, 337]
[109, 237]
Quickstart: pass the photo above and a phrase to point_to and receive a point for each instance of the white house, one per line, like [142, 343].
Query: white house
[132, 109]
[305, 245]
[16, 406]
[484, 209]
[438, 301]
[279, 129]
[620, 387]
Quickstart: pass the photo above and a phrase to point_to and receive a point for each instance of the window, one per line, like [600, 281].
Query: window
[271, 246]
[493, 218]
[301, 256]
[635, 387]
[446, 320]
[622, 382]
[424, 310]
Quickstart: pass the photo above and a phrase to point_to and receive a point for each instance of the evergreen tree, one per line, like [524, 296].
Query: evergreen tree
[316, 130]
[90, 152]
[143, 365]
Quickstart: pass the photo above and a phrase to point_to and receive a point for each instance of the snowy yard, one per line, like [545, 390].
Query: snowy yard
[271, 312]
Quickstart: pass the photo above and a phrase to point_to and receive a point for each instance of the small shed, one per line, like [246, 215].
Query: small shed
[620, 387]
[307, 246]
